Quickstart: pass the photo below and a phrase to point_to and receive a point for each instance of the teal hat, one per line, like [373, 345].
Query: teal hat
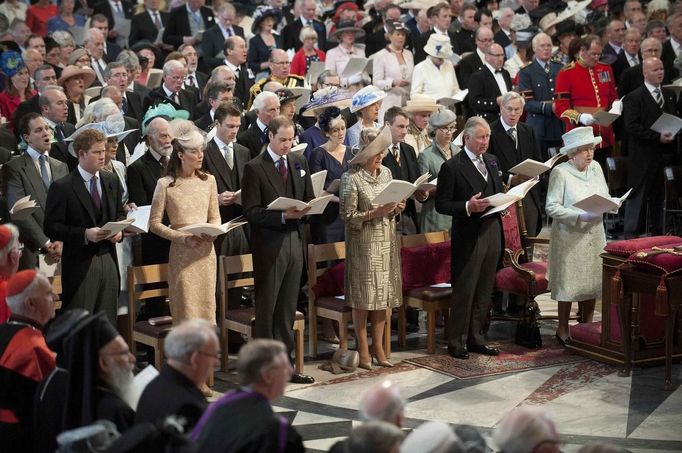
[165, 111]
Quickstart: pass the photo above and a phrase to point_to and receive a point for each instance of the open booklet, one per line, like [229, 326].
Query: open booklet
[211, 229]
[667, 123]
[397, 190]
[599, 204]
[116, 227]
[298, 149]
[607, 118]
[23, 208]
[456, 99]
[316, 205]
[501, 201]
[140, 217]
[140, 382]
[533, 168]
[318, 182]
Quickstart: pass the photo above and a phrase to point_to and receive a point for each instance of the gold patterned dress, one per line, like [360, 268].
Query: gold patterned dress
[192, 271]
[373, 279]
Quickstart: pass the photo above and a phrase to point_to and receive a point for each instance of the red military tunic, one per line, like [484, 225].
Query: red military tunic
[580, 89]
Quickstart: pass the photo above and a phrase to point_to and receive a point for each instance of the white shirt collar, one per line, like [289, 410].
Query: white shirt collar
[168, 92]
[233, 67]
[155, 155]
[260, 125]
[35, 155]
[153, 13]
[275, 157]
[49, 122]
[480, 54]
[616, 47]
[221, 144]
[507, 126]
[440, 32]
[651, 87]
[471, 155]
[490, 68]
[85, 175]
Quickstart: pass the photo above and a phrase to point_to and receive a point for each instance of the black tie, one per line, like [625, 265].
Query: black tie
[164, 161]
[264, 136]
[59, 131]
[547, 68]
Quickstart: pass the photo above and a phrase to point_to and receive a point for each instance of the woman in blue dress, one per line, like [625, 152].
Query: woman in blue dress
[66, 18]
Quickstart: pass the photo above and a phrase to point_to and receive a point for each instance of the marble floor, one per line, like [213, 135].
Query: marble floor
[588, 400]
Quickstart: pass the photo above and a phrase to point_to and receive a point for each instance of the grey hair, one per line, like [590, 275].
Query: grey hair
[12, 244]
[393, 405]
[255, 356]
[262, 98]
[63, 38]
[536, 39]
[218, 69]
[512, 96]
[98, 111]
[523, 429]
[225, 6]
[129, 59]
[324, 74]
[473, 123]
[111, 66]
[374, 436]
[90, 33]
[16, 302]
[187, 338]
[170, 65]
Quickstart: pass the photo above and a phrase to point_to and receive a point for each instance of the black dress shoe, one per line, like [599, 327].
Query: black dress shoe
[458, 353]
[298, 378]
[483, 349]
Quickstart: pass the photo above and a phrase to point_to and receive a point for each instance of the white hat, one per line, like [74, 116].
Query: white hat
[421, 103]
[438, 46]
[366, 97]
[430, 437]
[112, 127]
[580, 136]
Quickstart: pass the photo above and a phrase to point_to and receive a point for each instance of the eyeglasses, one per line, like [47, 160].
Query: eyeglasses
[216, 356]
[447, 129]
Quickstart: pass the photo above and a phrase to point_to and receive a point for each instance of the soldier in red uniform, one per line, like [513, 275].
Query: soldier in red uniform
[583, 88]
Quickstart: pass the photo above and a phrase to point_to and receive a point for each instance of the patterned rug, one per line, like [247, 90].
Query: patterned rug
[512, 358]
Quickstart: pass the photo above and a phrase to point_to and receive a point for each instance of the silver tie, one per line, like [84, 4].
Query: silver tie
[481, 166]
[229, 158]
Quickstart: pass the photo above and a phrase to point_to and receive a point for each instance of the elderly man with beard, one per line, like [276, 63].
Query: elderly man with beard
[100, 368]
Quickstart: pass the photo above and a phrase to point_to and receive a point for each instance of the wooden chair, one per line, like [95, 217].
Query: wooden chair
[617, 182]
[672, 177]
[56, 281]
[322, 257]
[242, 320]
[139, 279]
[427, 298]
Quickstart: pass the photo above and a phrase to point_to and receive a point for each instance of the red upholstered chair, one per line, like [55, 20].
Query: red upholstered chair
[519, 275]
[425, 261]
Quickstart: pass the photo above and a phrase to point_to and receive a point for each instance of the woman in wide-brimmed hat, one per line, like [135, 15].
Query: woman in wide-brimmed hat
[577, 237]
[322, 99]
[17, 86]
[265, 20]
[419, 108]
[435, 76]
[75, 80]
[337, 58]
[442, 128]
[393, 68]
[369, 228]
[365, 104]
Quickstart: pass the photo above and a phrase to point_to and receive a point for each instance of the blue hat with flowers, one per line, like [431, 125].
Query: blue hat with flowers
[11, 63]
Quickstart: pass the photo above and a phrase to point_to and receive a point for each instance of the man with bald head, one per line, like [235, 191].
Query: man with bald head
[487, 86]
[649, 151]
[632, 77]
[483, 38]
[280, 65]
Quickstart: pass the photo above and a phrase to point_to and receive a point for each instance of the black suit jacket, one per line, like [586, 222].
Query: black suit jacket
[60, 150]
[293, 29]
[420, 42]
[633, 78]
[215, 164]
[69, 211]
[243, 84]
[141, 178]
[463, 41]
[111, 52]
[178, 27]
[668, 58]
[408, 163]
[188, 100]
[28, 106]
[205, 123]
[483, 92]
[502, 147]
[640, 111]
[213, 41]
[458, 181]
[470, 64]
[251, 139]
[142, 27]
[502, 39]
[103, 7]
[261, 185]
[620, 65]
[20, 177]
[130, 141]
[609, 50]
[142, 92]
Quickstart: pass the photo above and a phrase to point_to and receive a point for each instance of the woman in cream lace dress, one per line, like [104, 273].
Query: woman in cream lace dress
[187, 195]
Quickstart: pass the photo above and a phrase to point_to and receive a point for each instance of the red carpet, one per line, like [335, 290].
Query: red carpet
[512, 358]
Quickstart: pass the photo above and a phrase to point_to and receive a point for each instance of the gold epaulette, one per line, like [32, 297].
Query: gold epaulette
[571, 65]
[572, 115]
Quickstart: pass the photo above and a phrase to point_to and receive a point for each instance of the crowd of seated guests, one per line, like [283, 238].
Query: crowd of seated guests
[209, 111]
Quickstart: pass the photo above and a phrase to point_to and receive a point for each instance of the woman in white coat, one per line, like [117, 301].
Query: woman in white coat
[393, 68]
[435, 76]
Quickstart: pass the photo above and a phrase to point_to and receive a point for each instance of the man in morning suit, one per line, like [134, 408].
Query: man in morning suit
[256, 136]
[632, 77]
[441, 17]
[77, 206]
[377, 40]
[225, 159]
[44, 76]
[146, 25]
[55, 109]
[171, 91]
[672, 47]
[463, 183]
[186, 21]
[213, 41]
[235, 60]
[513, 142]
[117, 75]
[474, 61]
[112, 10]
[111, 49]
[277, 236]
[401, 159]
[192, 350]
[649, 150]
[290, 33]
[487, 86]
[536, 84]
[32, 173]
[216, 93]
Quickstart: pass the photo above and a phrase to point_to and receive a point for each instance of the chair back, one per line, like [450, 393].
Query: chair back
[672, 177]
[513, 244]
[320, 258]
[617, 174]
[139, 280]
[56, 282]
[416, 240]
[425, 259]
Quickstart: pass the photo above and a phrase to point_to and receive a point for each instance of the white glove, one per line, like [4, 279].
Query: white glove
[586, 119]
[588, 217]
